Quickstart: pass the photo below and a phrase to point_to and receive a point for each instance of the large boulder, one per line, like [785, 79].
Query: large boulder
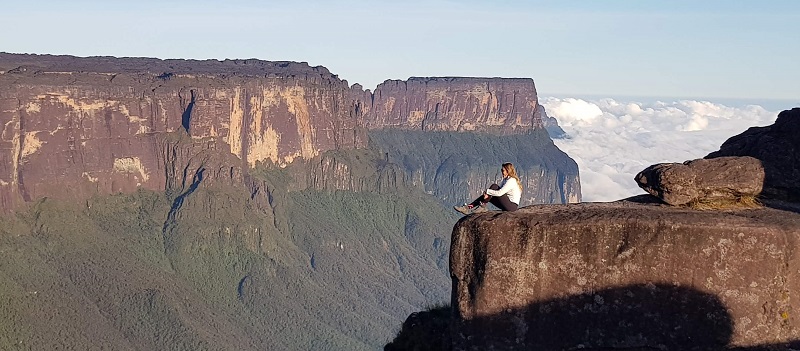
[778, 148]
[719, 180]
[625, 275]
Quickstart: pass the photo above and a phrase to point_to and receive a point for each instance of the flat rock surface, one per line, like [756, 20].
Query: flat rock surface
[627, 274]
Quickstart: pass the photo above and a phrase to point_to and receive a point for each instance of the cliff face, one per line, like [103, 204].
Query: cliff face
[457, 167]
[624, 275]
[71, 134]
[500, 105]
[75, 127]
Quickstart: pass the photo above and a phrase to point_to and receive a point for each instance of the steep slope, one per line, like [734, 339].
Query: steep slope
[452, 134]
[456, 167]
[178, 204]
[321, 269]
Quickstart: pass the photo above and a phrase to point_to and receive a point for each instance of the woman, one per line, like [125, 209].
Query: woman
[505, 196]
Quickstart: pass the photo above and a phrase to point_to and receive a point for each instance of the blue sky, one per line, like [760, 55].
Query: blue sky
[693, 49]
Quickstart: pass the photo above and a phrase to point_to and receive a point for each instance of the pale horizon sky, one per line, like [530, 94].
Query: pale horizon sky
[676, 48]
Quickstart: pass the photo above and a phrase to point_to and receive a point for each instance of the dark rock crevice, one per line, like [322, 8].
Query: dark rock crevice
[186, 117]
[178, 201]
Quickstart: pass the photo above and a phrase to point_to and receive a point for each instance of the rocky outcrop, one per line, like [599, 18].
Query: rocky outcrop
[551, 124]
[638, 274]
[75, 127]
[625, 275]
[778, 148]
[718, 180]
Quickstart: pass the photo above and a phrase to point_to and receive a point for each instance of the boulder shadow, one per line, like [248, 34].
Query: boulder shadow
[781, 205]
[661, 317]
[635, 317]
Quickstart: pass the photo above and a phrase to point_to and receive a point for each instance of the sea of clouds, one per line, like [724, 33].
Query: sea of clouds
[613, 140]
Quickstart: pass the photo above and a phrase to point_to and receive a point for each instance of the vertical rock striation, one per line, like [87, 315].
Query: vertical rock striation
[75, 127]
[70, 133]
[499, 105]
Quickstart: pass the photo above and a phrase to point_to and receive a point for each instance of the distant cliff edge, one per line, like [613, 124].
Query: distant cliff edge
[76, 127]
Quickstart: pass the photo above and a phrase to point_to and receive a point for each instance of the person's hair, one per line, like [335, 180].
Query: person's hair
[512, 172]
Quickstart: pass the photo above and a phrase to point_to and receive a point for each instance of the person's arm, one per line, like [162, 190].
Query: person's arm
[509, 184]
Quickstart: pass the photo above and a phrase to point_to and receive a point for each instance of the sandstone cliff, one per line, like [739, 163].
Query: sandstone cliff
[443, 132]
[75, 127]
[505, 106]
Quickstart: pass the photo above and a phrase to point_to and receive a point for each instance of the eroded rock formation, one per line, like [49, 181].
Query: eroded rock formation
[778, 148]
[102, 126]
[624, 275]
[718, 180]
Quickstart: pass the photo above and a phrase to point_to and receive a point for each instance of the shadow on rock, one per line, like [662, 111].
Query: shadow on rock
[637, 317]
[424, 331]
[782, 205]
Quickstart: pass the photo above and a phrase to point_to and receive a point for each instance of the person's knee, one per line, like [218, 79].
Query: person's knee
[494, 187]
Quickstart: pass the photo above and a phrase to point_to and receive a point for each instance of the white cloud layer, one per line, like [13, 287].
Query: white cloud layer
[612, 141]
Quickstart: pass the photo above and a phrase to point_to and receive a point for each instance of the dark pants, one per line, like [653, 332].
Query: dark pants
[502, 202]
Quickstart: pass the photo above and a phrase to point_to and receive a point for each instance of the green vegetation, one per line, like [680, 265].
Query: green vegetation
[454, 166]
[331, 253]
[296, 266]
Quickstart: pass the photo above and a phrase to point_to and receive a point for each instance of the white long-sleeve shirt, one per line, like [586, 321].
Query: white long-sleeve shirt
[508, 186]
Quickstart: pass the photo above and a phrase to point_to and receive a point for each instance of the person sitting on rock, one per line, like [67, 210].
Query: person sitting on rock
[505, 196]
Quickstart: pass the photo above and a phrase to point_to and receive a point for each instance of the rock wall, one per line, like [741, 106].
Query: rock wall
[499, 105]
[625, 275]
[73, 133]
[75, 127]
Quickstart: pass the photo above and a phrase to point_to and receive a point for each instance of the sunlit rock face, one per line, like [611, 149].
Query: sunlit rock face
[500, 105]
[72, 128]
[627, 274]
[716, 180]
[76, 127]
